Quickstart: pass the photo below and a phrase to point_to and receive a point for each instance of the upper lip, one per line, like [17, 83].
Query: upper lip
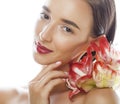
[41, 46]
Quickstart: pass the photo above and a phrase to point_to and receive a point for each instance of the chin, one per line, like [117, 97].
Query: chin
[41, 60]
[46, 60]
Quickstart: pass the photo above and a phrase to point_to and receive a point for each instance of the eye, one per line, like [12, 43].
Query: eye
[44, 16]
[67, 29]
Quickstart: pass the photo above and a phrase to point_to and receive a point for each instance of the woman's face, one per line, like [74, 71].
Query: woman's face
[64, 28]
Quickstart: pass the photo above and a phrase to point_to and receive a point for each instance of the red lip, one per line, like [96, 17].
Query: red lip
[41, 49]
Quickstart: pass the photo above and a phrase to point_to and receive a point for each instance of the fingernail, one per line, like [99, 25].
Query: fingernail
[58, 62]
[66, 73]
[64, 80]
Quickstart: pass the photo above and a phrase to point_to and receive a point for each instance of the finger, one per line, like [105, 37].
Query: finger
[50, 76]
[39, 84]
[54, 65]
[45, 70]
[51, 85]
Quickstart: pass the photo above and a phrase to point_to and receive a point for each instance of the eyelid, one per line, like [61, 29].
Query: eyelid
[63, 26]
[44, 13]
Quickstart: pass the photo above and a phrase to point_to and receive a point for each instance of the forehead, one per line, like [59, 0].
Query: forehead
[77, 10]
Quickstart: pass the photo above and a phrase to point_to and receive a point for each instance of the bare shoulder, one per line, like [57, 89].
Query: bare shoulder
[102, 96]
[13, 96]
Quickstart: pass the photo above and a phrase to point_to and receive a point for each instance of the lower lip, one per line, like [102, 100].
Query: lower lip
[40, 50]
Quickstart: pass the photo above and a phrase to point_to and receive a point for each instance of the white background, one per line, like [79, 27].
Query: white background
[17, 22]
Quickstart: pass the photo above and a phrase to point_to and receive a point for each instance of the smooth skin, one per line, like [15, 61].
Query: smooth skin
[65, 27]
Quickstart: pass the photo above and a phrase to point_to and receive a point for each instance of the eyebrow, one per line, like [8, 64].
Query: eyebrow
[70, 23]
[64, 20]
[46, 8]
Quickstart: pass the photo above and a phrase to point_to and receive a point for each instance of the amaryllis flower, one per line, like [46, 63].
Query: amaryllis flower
[98, 70]
[80, 74]
[106, 70]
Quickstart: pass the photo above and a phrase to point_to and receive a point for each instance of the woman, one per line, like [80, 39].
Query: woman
[63, 33]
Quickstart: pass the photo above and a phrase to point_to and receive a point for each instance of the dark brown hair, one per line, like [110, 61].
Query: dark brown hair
[104, 15]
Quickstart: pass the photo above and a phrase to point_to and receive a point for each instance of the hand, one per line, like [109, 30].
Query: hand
[41, 86]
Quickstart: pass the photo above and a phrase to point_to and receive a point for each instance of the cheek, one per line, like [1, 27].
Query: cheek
[39, 26]
[66, 47]
[64, 44]
[69, 47]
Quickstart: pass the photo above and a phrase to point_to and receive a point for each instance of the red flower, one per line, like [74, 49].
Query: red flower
[99, 70]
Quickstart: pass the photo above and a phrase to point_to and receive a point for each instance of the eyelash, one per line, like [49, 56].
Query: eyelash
[67, 29]
[44, 16]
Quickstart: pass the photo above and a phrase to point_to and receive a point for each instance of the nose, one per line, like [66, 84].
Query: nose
[46, 33]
